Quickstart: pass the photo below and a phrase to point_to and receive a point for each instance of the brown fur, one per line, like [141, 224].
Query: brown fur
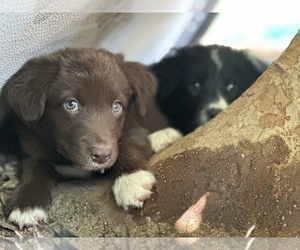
[33, 99]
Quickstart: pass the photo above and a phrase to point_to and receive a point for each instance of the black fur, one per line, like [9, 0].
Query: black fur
[190, 81]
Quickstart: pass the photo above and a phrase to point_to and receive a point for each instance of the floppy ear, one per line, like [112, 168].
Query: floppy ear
[167, 72]
[143, 83]
[26, 91]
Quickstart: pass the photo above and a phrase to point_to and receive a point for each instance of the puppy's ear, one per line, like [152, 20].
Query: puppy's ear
[26, 91]
[168, 73]
[143, 83]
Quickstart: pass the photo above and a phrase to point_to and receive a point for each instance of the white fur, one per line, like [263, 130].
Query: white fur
[219, 103]
[29, 217]
[161, 139]
[132, 189]
[216, 58]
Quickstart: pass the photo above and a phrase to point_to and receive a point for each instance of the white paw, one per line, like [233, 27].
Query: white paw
[29, 217]
[133, 189]
[162, 139]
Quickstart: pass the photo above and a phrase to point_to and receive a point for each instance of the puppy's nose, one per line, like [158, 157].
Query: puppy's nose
[211, 113]
[100, 155]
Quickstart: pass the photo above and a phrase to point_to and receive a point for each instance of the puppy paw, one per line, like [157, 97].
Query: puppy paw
[133, 189]
[28, 217]
[162, 139]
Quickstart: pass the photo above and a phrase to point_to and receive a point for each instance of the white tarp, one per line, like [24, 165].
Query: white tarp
[144, 30]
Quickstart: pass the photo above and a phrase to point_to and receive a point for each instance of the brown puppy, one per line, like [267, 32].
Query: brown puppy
[70, 110]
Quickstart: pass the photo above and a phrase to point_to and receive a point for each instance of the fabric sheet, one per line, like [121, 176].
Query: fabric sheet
[144, 30]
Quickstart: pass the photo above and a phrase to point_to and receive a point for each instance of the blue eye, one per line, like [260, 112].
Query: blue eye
[117, 107]
[71, 105]
[232, 87]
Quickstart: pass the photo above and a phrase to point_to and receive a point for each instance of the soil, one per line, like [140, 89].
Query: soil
[245, 185]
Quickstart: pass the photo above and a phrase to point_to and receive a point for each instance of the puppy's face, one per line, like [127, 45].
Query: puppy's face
[86, 108]
[82, 106]
[205, 81]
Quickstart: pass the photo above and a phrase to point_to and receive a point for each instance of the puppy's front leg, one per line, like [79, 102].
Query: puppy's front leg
[133, 181]
[33, 195]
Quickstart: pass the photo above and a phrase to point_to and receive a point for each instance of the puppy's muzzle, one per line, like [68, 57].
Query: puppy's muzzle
[213, 112]
[100, 155]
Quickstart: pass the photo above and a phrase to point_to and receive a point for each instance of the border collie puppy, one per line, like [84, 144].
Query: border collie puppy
[197, 83]
[73, 113]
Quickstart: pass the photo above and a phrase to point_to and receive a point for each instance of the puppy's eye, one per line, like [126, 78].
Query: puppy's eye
[195, 88]
[232, 87]
[71, 105]
[117, 107]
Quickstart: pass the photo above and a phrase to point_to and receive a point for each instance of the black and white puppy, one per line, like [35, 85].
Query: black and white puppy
[197, 83]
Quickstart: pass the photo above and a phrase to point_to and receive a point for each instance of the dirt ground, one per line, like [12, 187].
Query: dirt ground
[86, 208]
[242, 183]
